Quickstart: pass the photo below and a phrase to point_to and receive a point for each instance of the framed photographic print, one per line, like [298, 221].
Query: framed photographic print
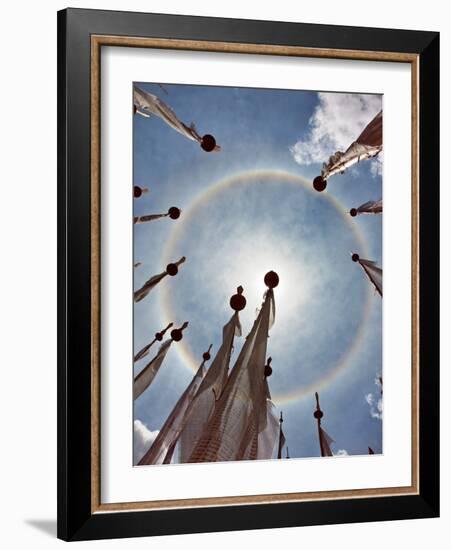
[248, 274]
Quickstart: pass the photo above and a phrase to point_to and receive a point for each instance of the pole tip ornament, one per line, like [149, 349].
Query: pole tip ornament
[172, 269]
[208, 143]
[271, 279]
[355, 257]
[139, 191]
[177, 333]
[238, 301]
[268, 369]
[174, 213]
[318, 414]
[206, 356]
[159, 335]
[319, 184]
[353, 212]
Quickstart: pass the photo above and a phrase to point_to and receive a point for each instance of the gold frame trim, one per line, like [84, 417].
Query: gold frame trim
[97, 41]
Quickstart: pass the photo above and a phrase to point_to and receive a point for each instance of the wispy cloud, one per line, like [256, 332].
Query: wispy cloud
[341, 452]
[142, 439]
[376, 406]
[336, 122]
[376, 165]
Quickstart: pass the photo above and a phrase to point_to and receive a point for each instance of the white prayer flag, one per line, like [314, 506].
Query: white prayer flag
[240, 414]
[147, 104]
[370, 207]
[326, 442]
[147, 375]
[167, 437]
[373, 272]
[210, 390]
[268, 437]
[367, 145]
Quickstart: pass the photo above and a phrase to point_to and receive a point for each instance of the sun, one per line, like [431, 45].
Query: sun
[258, 257]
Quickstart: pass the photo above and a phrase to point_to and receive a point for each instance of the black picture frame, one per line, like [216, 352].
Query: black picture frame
[76, 520]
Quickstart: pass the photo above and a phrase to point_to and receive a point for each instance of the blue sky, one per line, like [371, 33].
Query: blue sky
[328, 328]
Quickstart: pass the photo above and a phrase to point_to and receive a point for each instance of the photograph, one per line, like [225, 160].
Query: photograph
[257, 272]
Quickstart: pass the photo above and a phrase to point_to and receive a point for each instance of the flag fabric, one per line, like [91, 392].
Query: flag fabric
[326, 441]
[152, 104]
[260, 435]
[158, 338]
[367, 145]
[147, 104]
[170, 454]
[282, 442]
[373, 272]
[370, 207]
[143, 380]
[209, 391]
[144, 351]
[268, 436]
[141, 293]
[148, 218]
[164, 443]
[241, 413]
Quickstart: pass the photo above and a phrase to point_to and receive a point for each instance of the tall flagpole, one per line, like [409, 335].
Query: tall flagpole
[145, 377]
[158, 338]
[372, 271]
[173, 213]
[279, 452]
[318, 414]
[171, 269]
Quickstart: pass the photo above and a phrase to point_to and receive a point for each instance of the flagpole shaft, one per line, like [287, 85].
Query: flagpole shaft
[320, 438]
[318, 420]
[144, 351]
[279, 452]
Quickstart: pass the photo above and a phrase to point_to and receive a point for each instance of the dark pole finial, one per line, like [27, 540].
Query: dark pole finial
[177, 333]
[318, 414]
[159, 335]
[268, 368]
[206, 356]
[319, 184]
[173, 269]
[208, 143]
[238, 301]
[271, 279]
[174, 212]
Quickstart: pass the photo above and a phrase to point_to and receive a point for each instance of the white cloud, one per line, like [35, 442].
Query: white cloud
[336, 122]
[376, 404]
[341, 452]
[142, 439]
[376, 165]
[369, 399]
